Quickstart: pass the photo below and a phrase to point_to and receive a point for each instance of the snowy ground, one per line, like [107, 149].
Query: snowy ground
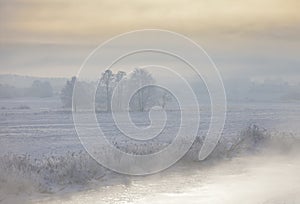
[44, 128]
[42, 131]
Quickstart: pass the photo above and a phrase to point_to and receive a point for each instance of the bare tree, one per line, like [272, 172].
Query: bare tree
[165, 99]
[119, 90]
[80, 98]
[67, 93]
[140, 78]
[107, 80]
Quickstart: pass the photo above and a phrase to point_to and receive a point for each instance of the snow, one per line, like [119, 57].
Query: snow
[41, 155]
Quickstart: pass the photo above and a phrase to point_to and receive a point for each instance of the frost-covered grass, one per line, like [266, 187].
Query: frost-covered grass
[251, 140]
[21, 173]
[50, 174]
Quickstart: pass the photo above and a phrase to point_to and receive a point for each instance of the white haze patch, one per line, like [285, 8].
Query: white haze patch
[252, 180]
[262, 179]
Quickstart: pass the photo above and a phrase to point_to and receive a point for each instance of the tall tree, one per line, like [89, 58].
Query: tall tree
[166, 97]
[140, 78]
[67, 93]
[107, 80]
[80, 98]
[119, 87]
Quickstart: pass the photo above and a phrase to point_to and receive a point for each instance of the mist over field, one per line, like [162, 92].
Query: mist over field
[149, 101]
[268, 90]
[43, 161]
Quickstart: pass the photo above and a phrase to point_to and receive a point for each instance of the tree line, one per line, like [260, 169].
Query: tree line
[121, 85]
[38, 88]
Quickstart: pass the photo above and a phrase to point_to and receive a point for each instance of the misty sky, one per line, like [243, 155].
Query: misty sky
[254, 39]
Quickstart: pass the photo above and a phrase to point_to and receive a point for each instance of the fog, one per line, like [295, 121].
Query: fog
[153, 101]
[261, 179]
[254, 165]
[43, 160]
[267, 90]
[271, 176]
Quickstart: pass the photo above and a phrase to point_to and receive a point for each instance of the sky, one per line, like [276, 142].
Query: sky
[254, 39]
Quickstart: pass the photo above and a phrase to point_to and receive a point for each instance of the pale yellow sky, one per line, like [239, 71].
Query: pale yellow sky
[85, 21]
[245, 38]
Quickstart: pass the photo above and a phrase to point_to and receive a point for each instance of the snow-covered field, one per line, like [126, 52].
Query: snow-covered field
[41, 159]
